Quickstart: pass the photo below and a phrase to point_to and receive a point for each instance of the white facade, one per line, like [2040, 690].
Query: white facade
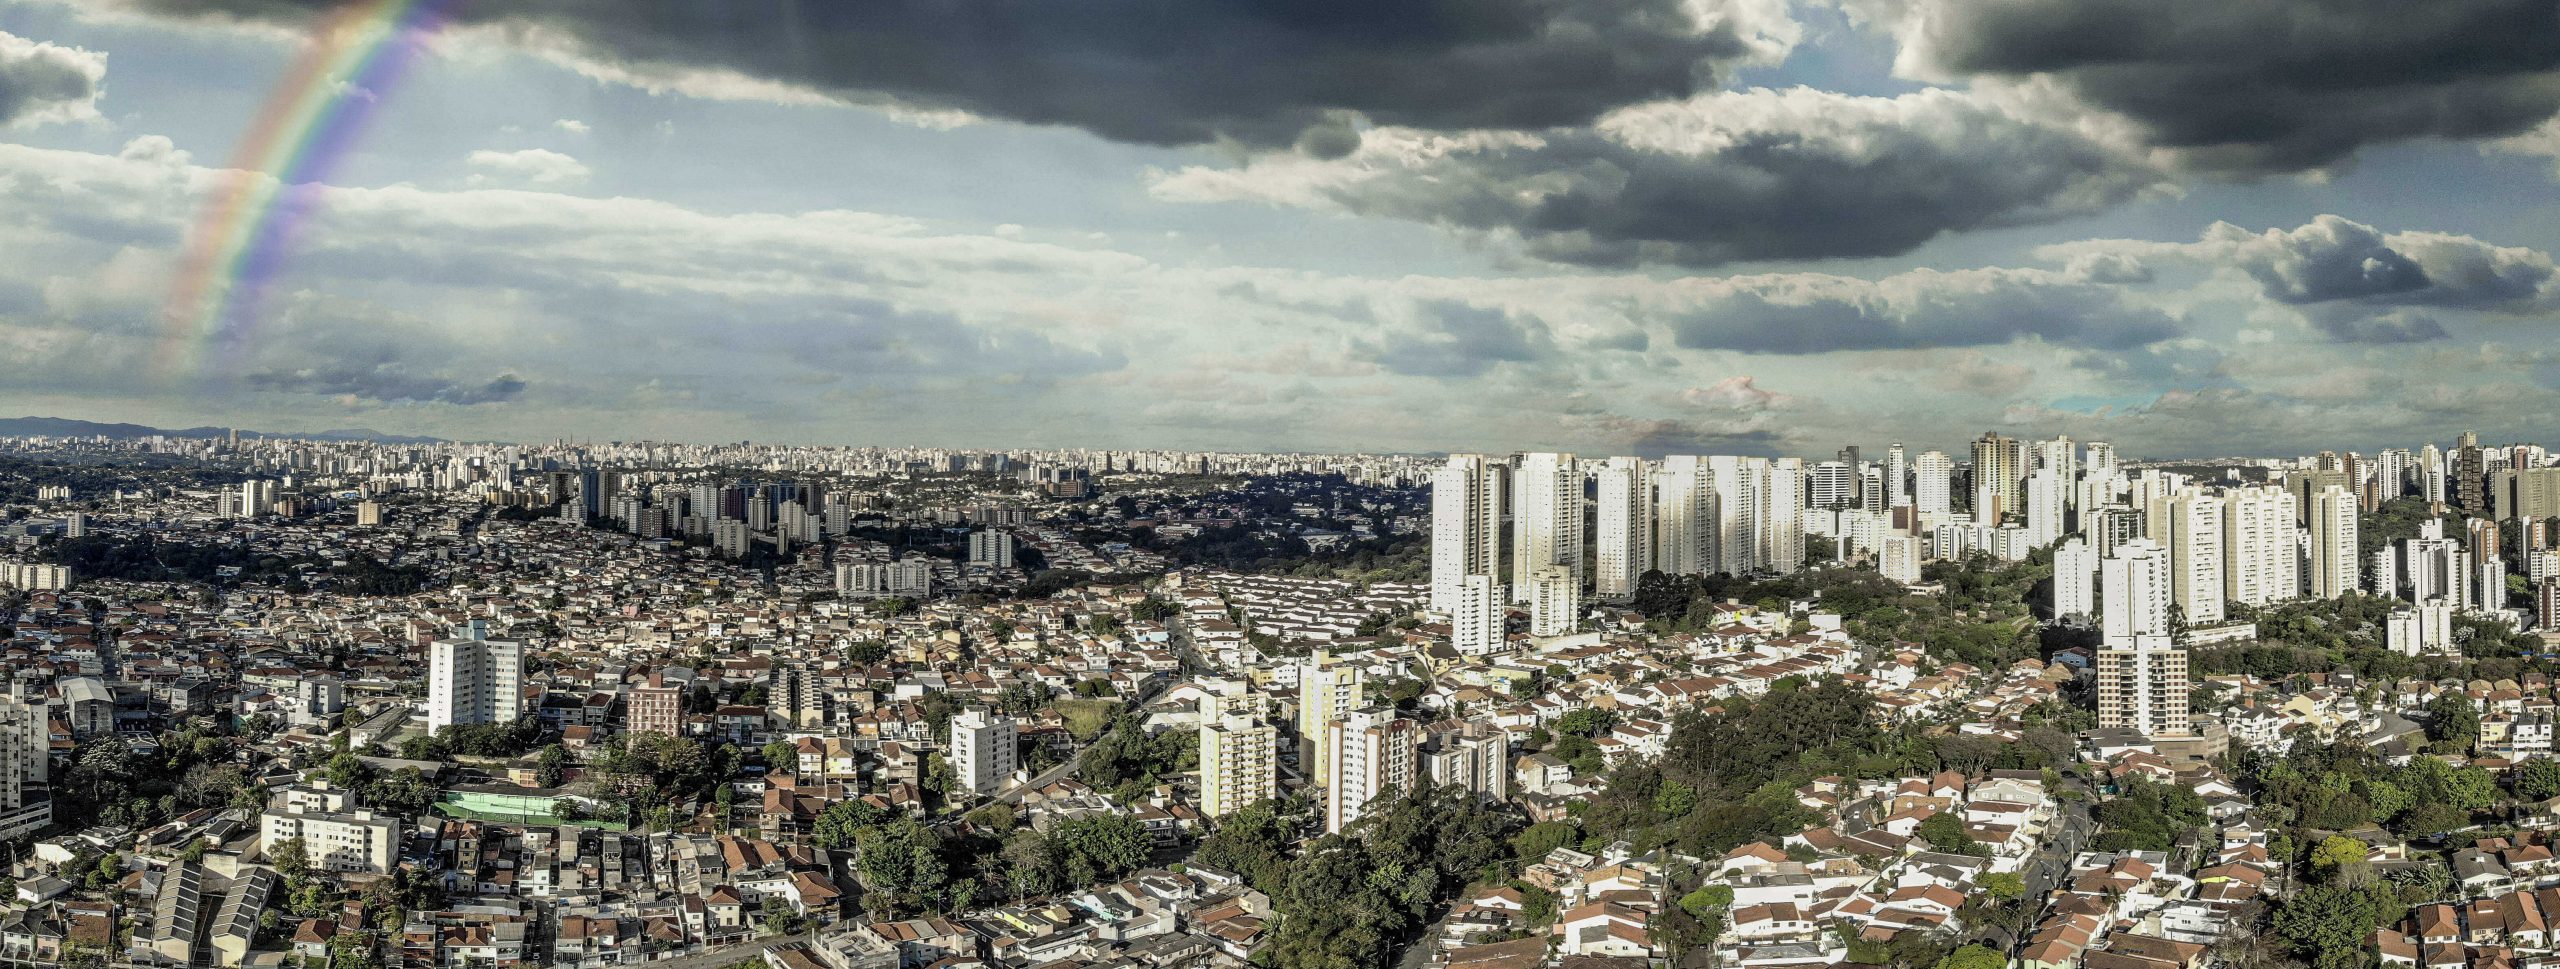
[2134, 593]
[1555, 601]
[1899, 559]
[2044, 500]
[2075, 572]
[991, 548]
[335, 841]
[982, 751]
[472, 679]
[1932, 483]
[1740, 509]
[2188, 525]
[1623, 531]
[1475, 627]
[2261, 563]
[1684, 510]
[1782, 517]
[1468, 496]
[2332, 559]
[1371, 754]
[1546, 520]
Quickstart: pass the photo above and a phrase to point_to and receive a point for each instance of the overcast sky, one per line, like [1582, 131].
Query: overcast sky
[2192, 227]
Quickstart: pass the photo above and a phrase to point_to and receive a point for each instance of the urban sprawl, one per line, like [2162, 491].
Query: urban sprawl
[365, 705]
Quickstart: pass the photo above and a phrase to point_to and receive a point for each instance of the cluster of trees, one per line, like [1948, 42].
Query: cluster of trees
[476, 740]
[144, 558]
[2343, 786]
[1984, 617]
[2143, 816]
[1128, 763]
[1356, 898]
[909, 866]
[115, 782]
[652, 774]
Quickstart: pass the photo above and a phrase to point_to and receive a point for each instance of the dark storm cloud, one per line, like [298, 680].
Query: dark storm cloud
[2267, 85]
[1753, 175]
[1156, 71]
[1461, 340]
[2362, 286]
[40, 80]
[1977, 308]
[387, 384]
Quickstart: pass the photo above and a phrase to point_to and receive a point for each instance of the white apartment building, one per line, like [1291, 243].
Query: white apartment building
[982, 750]
[1371, 754]
[472, 679]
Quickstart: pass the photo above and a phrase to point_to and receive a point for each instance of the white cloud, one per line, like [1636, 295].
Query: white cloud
[572, 126]
[43, 82]
[532, 166]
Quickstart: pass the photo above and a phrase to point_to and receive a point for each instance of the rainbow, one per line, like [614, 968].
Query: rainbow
[278, 174]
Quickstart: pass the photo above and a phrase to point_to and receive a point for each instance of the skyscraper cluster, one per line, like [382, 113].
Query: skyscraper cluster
[1543, 530]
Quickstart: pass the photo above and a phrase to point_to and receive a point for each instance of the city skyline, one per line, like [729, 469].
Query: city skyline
[1764, 229]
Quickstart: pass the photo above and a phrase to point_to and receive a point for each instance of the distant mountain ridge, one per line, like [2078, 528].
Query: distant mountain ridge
[69, 427]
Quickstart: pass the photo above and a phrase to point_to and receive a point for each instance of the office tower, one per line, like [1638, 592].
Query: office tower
[2075, 576]
[26, 757]
[991, 548]
[982, 750]
[1623, 531]
[1999, 471]
[2261, 551]
[1546, 520]
[1739, 485]
[2470, 475]
[472, 679]
[1898, 558]
[1238, 763]
[1782, 523]
[1555, 601]
[1467, 498]
[1326, 693]
[1370, 754]
[1835, 485]
[2188, 524]
[2142, 675]
[2332, 558]
[1896, 491]
[1475, 626]
[1684, 511]
[656, 708]
[1932, 483]
[1473, 754]
[2044, 503]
